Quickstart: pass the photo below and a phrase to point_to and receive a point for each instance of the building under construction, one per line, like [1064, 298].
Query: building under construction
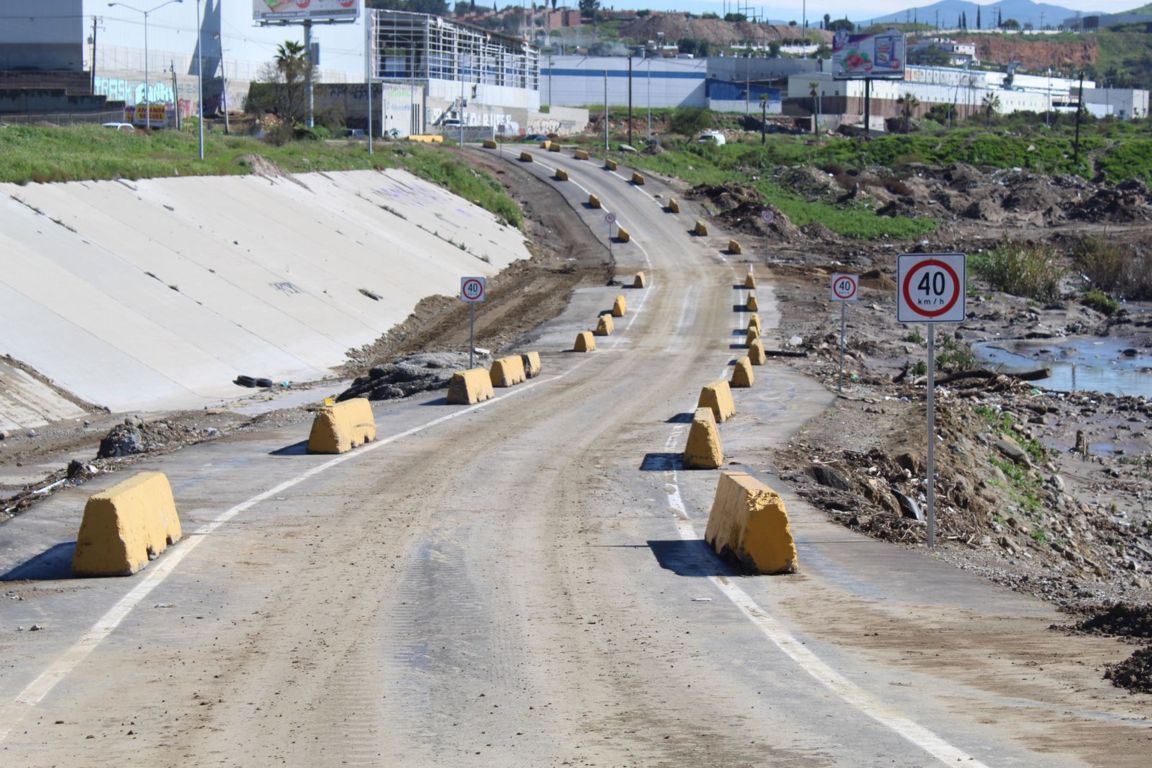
[443, 73]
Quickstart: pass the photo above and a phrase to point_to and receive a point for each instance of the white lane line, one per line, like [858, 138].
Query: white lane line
[35, 691]
[848, 691]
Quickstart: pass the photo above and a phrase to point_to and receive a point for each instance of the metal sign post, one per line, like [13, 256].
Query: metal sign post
[472, 290]
[768, 217]
[845, 288]
[610, 218]
[930, 289]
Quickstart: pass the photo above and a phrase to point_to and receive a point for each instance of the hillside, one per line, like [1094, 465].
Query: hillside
[677, 26]
[1036, 54]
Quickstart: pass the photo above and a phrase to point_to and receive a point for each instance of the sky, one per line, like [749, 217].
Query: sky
[860, 9]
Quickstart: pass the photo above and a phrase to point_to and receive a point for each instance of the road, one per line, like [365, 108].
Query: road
[523, 583]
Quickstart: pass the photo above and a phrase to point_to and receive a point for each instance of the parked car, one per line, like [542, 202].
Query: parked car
[120, 126]
[712, 137]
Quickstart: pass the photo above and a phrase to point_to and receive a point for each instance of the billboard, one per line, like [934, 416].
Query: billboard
[859, 57]
[285, 11]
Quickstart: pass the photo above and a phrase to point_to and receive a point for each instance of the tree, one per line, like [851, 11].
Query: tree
[589, 8]
[978, 18]
[1010, 24]
[907, 103]
[689, 121]
[990, 106]
[774, 49]
[999, 18]
[842, 24]
[827, 21]
[433, 7]
[735, 17]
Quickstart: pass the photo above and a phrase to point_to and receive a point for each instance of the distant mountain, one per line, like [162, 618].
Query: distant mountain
[947, 13]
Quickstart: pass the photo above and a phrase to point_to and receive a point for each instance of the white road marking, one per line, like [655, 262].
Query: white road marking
[824, 674]
[35, 691]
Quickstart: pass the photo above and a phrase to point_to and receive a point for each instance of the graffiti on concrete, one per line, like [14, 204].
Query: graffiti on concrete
[132, 91]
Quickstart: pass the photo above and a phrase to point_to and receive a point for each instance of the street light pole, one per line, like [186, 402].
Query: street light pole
[147, 84]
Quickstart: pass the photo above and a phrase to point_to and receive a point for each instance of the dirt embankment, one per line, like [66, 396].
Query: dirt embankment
[1034, 55]
[678, 26]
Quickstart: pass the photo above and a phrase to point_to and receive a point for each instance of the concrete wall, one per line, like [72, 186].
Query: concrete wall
[156, 294]
[578, 81]
[42, 34]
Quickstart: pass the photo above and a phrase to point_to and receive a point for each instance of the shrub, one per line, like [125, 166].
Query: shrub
[690, 120]
[1031, 271]
[1100, 301]
[1114, 268]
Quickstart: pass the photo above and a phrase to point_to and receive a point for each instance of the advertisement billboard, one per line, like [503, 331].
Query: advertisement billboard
[285, 11]
[879, 56]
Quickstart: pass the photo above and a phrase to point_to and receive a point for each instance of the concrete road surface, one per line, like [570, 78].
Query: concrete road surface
[523, 583]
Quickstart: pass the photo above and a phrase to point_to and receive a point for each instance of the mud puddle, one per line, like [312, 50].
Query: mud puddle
[1077, 364]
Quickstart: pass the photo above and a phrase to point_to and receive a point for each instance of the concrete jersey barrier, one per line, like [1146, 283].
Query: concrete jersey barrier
[748, 524]
[532, 364]
[340, 427]
[560, 175]
[703, 450]
[580, 154]
[751, 335]
[126, 526]
[605, 326]
[638, 178]
[742, 375]
[734, 247]
[756, 353]
[750, 281]
[701, 229]
[470, 387]
[593, 201]
[752, 305]
[585, 342]
[673, 206]
[717, 396]
[507, 371]
[640, 281]
[754, 322]
[622, 235]
[619, 306]
[525, 157]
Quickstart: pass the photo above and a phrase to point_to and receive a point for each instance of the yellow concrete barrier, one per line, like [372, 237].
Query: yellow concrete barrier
[593, 201]
[470, 387]
[545, 144]
[532, 364]
[611, 165]
[585, 342]
[580, 154]
[673, 206]
[561, 175]
[749, 524]
[622, 234]
[718, 397]
[426, 138]
[750, 281]
[605, 326]
[700, 229]
[754, 322]
[751, 335]
[489, 144]
[752, 305]
[340, 427]
[640, 281]
[742, 375]
[507, 371]
[126, 526]
[620, 306]
[703, 450]
[756, 353]
[734, 248]
[638, 178]
[525, 157]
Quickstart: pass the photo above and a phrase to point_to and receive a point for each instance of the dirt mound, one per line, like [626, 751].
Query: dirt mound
[1134, 673]
[743, 209]
[1127, 202]
[1121, 620]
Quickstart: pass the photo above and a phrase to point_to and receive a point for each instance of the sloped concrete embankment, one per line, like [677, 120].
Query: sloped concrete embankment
[156, 294]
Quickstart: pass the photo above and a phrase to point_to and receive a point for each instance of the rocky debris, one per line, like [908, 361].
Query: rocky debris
[123, 440]
[1134, 673]
[741, 208]
[407, 376]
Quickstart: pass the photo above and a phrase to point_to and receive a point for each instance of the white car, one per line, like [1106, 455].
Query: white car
[712, 137]
[120, 126]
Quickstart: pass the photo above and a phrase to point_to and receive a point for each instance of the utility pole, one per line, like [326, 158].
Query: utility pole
[605, 115]
[763, 119]
[1079, 112]
[629, 99]
[95, 26]
[175, 94]
[308, 71]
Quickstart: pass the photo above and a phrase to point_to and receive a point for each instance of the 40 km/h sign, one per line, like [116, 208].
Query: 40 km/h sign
[845, 287]
[930, 288]
[472, 288]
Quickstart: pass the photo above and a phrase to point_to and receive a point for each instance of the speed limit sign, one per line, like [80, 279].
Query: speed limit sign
[472, 288]
[845, 287]
[930, 288]
[610, 218]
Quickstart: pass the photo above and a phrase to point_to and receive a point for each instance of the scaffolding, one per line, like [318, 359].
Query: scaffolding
[415, 47]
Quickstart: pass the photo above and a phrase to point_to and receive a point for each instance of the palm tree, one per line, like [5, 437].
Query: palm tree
[991, 106]
[293, 66]
[908, 103]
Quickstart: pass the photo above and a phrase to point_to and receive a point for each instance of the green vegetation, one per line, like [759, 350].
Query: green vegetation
[690, 120]
[79, 153]
[1004, 425]
[1031, 271]
[954, 355]
[1100, 301]
[1113, 268]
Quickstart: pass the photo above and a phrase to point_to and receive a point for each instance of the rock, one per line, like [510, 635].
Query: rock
[1057, 482]
[830, 477]
[123, 440]
[1011, 449]
[31, 433]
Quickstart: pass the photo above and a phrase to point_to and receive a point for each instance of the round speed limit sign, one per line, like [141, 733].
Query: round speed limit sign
[610, 218]
[930, 288]
[472, 288]
[845, 287]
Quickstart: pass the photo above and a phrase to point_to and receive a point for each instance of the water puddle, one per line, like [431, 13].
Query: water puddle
[1077, 364]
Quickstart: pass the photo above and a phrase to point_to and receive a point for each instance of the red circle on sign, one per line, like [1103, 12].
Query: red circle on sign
[473, 288]
[850, 293]
[955, 288]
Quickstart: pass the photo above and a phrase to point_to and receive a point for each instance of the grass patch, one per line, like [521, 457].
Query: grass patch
[37, 154]
[1031, 271]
